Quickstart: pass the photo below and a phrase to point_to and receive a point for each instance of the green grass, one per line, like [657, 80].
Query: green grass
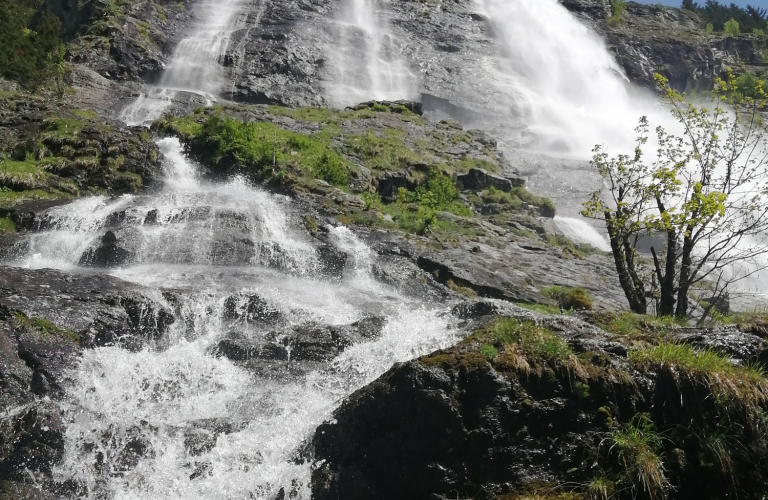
[255, 148]
[637, 446]
[706, 364]
[9, 198]
[541, 308]
[516, 197]
[629, 324]
[570, 298]
[535, 342]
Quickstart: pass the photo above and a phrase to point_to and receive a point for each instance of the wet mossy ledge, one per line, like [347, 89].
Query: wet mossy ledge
[379, 165]
[50, 151]
[552, 407]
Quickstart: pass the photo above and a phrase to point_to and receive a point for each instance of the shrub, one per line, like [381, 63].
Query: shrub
[731, 27]
[618, 8]
[30, 49]
[751, 86]
[570, 298]
[710, 28]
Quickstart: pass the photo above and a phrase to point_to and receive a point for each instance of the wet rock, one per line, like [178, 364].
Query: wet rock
[308, 342]
[741, 346]
[10, 490]
[95, 310]
[238, 348]
[202, 435]
[108, 254]
[331, 260]
[478, 179]
[251, 308]
[31, 442]
[121, 449]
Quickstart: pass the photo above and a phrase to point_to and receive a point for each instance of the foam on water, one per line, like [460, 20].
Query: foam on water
[121, 402]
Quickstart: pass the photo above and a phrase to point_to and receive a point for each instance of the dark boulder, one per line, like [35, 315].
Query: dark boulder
[251, 308]
[331, 261]
[476, 421]
[31, 442]
[478, 179]
[108, 254]
[390, 182]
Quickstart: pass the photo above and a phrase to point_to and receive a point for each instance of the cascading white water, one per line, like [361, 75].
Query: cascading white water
[173, 387]
[365, 60]
[557, 77]
[196, 63]
[580, 231]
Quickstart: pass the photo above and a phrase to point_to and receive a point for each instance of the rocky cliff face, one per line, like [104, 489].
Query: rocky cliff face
[531, 415]
[650, 39]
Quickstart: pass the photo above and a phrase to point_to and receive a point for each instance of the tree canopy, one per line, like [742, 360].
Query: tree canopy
[705, 190]
[749, 19]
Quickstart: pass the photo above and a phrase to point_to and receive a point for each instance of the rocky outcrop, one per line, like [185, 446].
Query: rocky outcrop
[652, 39]
[55, 152]
[489, 418]
[121, 40]
[46, 318]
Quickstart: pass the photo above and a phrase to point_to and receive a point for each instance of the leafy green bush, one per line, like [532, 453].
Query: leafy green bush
[31, 51]
[751, 86]
[570, 298]
[617, 9]
[257, 147]
[731, 27]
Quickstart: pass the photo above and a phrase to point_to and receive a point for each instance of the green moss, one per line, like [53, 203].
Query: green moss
[7, 225]
[44, 327]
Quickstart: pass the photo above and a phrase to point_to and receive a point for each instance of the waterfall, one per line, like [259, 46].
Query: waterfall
[206, 243]
[556, 76]
[196, 64]
[365, 59]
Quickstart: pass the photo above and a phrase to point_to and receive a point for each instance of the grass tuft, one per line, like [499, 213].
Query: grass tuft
[570, 298]
[747, 381]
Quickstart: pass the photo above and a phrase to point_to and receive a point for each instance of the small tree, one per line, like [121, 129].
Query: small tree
[731, 27]
[706, 191]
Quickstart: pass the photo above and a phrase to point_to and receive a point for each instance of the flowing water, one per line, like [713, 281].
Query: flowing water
[559, 78]
[177, 386]
[365, 59]
[196, 63]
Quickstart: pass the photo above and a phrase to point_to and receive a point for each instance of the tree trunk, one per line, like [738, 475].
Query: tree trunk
[667, 284]
[685, 277]
[635, 297]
